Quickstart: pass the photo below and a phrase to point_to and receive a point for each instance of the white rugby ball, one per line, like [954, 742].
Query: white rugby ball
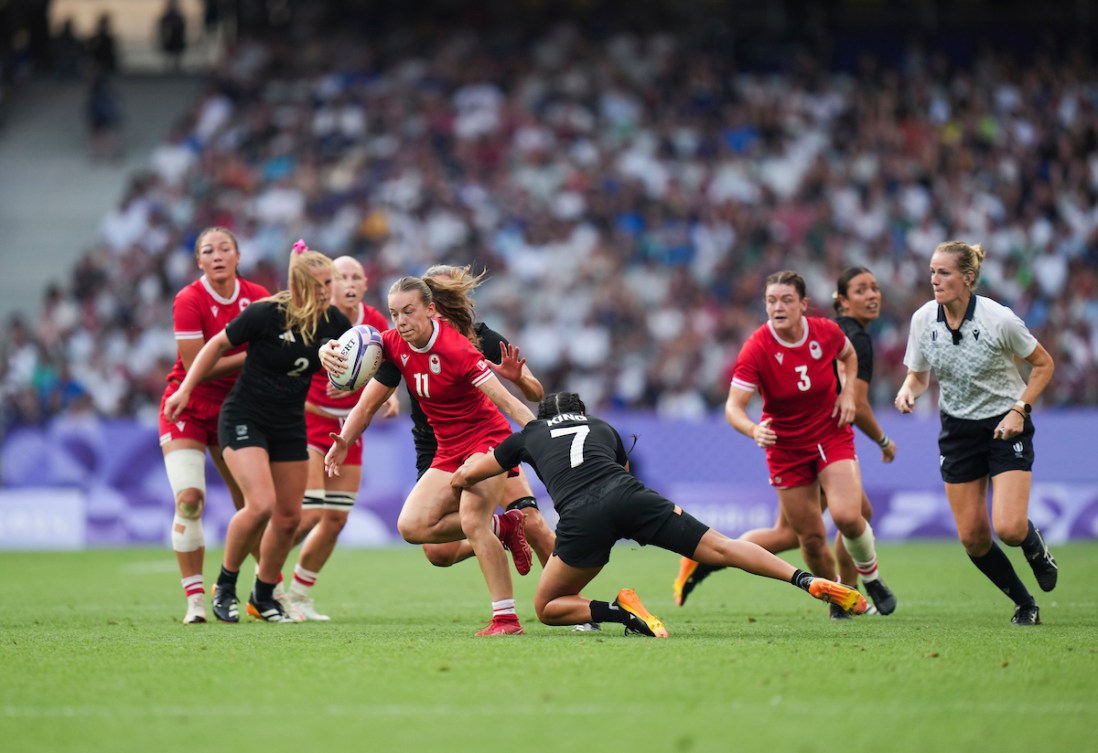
[361, 346]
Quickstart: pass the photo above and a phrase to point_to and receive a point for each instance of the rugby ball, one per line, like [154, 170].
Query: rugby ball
[361, 347]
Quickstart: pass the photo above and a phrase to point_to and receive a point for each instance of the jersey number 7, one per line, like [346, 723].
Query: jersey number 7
[575, 455]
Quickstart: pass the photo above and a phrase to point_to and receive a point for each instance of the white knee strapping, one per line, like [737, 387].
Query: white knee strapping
[187, 534]
[187, 470]
[339, 500]
[314, 499]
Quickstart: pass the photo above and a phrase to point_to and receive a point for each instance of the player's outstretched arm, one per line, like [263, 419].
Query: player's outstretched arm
[508, 404]
[475, 469]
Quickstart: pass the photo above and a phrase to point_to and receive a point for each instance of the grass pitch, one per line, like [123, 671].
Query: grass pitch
[94, 658]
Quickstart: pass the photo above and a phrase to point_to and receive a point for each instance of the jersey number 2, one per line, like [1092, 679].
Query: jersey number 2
[575, 455]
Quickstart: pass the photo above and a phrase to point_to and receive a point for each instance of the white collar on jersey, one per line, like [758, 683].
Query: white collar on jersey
[430, 343]
[804, 337]
[218, 298]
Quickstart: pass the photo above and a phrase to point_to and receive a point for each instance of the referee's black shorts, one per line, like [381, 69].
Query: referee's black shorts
[969, 451]
[623, 508]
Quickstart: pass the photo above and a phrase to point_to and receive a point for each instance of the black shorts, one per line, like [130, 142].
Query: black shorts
[623, 508]
[283, 436]
[425, 453]
[968, 450]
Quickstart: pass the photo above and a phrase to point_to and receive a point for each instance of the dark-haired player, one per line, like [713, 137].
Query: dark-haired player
[583, 463]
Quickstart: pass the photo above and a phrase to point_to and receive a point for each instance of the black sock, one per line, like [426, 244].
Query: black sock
[1033, 545]
[996, 566]
[227, 577]
[801, 579]
[604, 611]
[263, 591]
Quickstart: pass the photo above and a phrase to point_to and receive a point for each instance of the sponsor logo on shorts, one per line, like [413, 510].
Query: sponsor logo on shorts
[242, 431]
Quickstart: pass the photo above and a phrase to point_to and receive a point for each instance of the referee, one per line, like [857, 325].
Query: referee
[971, 343]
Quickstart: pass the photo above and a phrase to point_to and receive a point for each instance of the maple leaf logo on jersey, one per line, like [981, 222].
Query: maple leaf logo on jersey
[434, 364]
[814, 349]
[780, 356]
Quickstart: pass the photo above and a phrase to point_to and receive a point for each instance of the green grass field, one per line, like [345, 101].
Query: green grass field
[93, 658]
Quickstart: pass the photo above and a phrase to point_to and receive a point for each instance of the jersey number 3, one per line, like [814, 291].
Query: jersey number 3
[804, 382]
[575, 454]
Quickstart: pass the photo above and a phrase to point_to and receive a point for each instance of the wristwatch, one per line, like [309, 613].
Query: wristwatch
[1024, 406]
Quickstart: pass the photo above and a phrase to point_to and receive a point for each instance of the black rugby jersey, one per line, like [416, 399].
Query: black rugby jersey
[863, 345]
[570, 453]
[279, 365]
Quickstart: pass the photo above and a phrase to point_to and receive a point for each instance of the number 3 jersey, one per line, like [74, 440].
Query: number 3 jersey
[445, 376]
[796, 380]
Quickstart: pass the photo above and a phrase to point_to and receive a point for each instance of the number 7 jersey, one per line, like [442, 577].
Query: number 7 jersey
[797, 381]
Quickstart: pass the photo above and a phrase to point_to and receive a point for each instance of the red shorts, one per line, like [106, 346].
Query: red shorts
[317, 428]
[198, 421]
[449, 459]
[801, 467]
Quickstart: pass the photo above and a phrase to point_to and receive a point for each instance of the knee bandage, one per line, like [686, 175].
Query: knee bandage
[339, 500]
[187, 470]
[314, 499]
[187, 534]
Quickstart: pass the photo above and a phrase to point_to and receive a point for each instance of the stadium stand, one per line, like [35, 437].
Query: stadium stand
[628, 192]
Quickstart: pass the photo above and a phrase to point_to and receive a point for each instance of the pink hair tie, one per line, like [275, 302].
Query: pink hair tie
[300, 247]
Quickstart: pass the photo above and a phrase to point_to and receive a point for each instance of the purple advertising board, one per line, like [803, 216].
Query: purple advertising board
[93, 483]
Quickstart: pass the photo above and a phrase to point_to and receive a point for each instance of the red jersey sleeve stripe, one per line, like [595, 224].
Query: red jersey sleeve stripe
[189, 335]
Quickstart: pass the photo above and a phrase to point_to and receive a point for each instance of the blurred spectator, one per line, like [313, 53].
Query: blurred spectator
[628, 194]
[101, 48]
[66, 51]
[171, 35]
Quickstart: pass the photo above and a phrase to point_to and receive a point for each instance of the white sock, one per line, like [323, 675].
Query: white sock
[496, 524]
[864, 554]
[303, 580]
[192, 585]
[502, 607]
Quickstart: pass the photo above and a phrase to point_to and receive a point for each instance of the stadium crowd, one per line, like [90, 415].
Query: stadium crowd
[628, 196]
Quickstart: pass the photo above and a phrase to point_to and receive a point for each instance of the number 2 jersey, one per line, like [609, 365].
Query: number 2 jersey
[797, 381]
[280, 365]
